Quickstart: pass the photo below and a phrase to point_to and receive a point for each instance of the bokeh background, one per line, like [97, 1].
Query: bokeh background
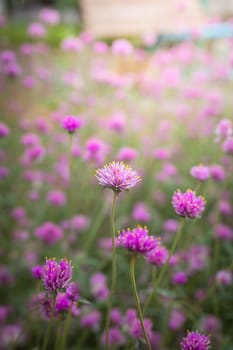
[152, 85]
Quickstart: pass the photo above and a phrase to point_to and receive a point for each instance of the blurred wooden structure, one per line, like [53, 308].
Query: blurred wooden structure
[222, 8]
[109, 18]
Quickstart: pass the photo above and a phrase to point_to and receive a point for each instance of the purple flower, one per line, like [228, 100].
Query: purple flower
[195, 341]
[56, 275]
[217, 172]
[224, 278]
[137, 240]
[141, 212]
[63, 303]
[49, 233]
[56, 198]
[116, 338]
[179, 277]
[37, 272]
[4, 130]
[71, 123]
[188, 204]
[177, 320]
[158, 256]
[117, 176]
[200, 172]
[91, 320]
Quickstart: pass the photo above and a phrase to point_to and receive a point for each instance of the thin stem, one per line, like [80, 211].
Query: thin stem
[113, 283]
[70, 197]
[47, 335]
[66, 328]
[140, 315]
[165, 266]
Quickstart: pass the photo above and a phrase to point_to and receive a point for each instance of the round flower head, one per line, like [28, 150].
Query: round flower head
[188, 204]
[195, 341]
[137, 240]
[71, 123]
[200, 172]
[117, 176]
[56, 275]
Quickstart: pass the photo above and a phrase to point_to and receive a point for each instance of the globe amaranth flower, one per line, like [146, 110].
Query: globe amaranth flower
[137, 240]
[117, 176]
[158, 256]
[71, 123]
[56, 275]
[200, 172]
[188, 204]
[195, 341]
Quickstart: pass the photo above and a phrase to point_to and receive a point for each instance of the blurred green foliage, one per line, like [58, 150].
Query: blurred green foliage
[15, 33]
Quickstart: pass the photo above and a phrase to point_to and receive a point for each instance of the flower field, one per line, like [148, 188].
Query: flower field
[116, 195]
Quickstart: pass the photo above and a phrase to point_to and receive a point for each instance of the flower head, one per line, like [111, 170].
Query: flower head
[200, 172]
[137, 240]
[195, 341]
[117, 176]
[56, 275]
[71, 123]
[188, 204]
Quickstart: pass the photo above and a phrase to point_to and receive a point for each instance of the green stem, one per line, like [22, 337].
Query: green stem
[47, 335]
[66, 328]
[82, 339]
[165, 266]
[70, 197]
[140, 315]
[37, 316]
[92, 234]
[113, 283]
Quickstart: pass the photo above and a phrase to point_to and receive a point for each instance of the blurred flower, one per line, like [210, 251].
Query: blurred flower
[141, 212]
[49, 16]
[127, 154]
[37, 30]
[176, 320]
[116, 338]
[224, 278]
[188, 204]
[98, 285]
[37, 272]
[122, 47]
[56, 275]
[71, 123]
[195, 341]
[179, 278]
[96, 150]
[137, 240]
[117, 176]
[223, 130]
[63, 303]
[158, 256]
[49, 233]
[91, 320]
[4, 130]
[227, 145]
[217, 172]
[56, 198]
[200, 172]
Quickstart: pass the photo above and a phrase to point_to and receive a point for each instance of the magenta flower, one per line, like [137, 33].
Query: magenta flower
[137, 240]
[4, 130]
[200, 172]
[195, 341]
[158, 256]
[49, 233]
[56, 276]
[117, 176]
[71, 123]
[188, 204]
